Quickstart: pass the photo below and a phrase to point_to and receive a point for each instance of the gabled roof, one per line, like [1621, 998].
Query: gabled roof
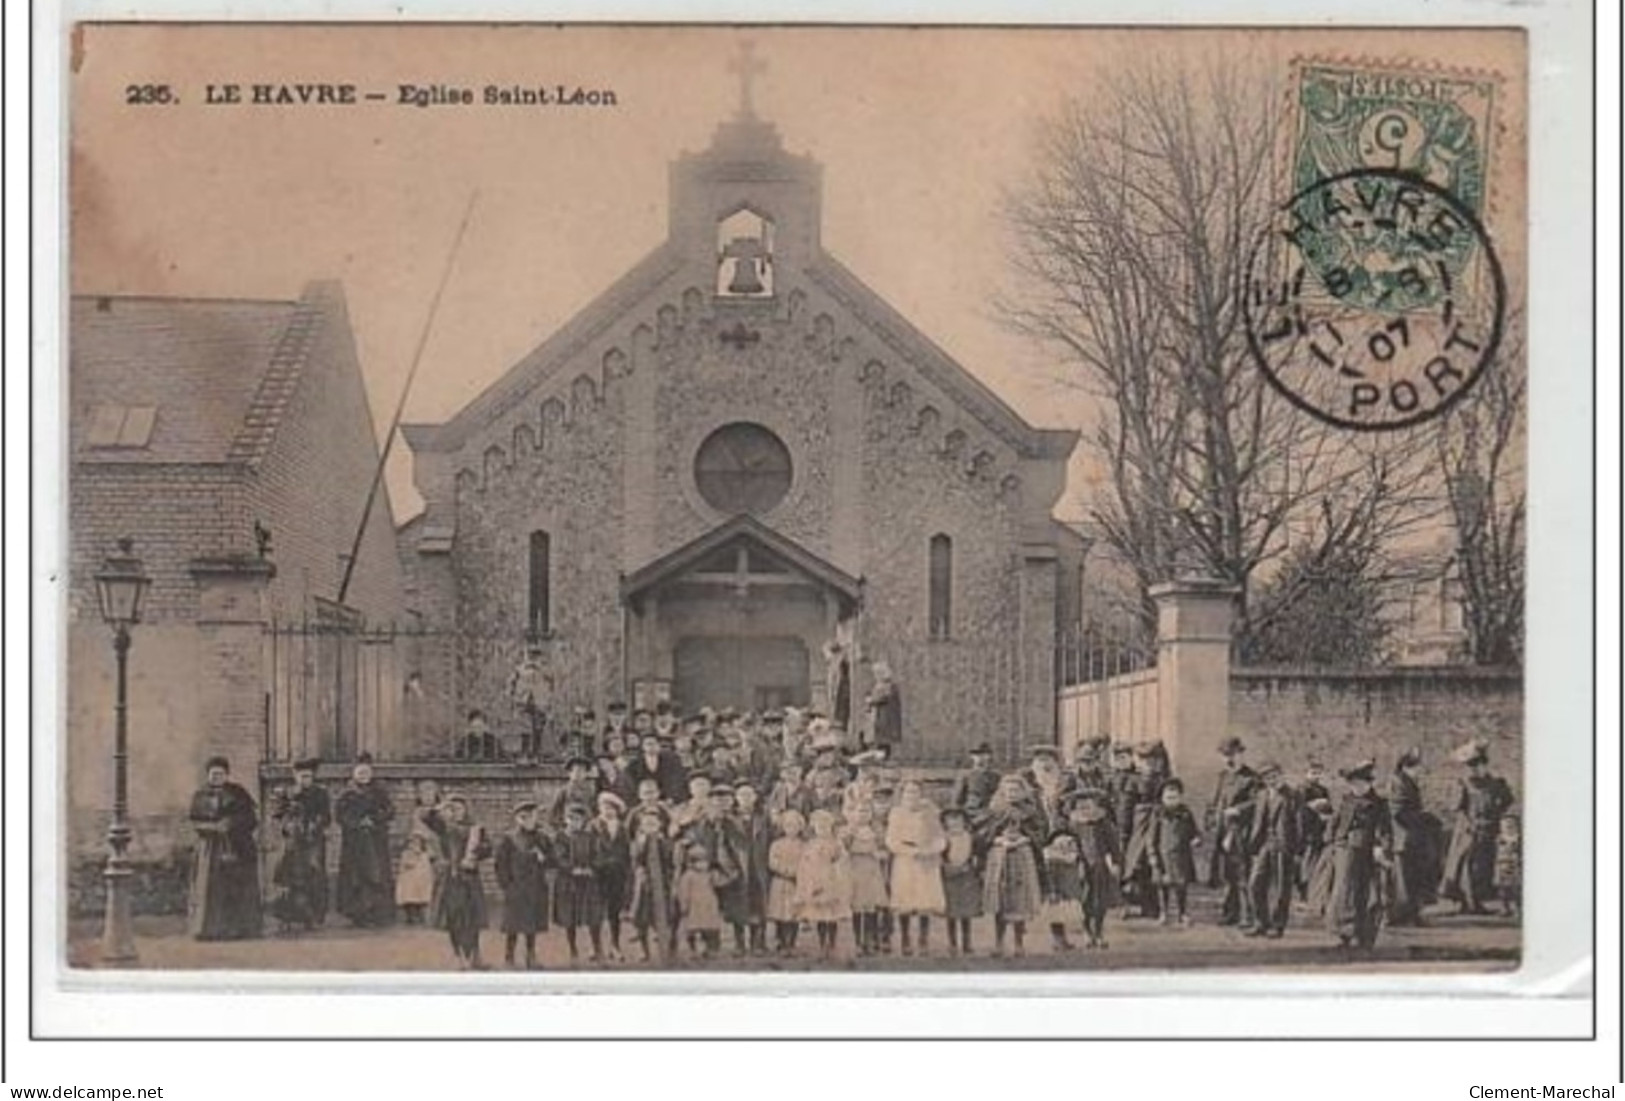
[746, 148]
[545, 359]
[891, 327]
[968, 391]
[184, 380]
[686, 557]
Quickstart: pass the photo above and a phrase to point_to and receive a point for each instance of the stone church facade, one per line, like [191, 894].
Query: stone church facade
[736, 454]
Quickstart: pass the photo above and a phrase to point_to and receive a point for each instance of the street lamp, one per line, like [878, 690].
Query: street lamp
[120, 585]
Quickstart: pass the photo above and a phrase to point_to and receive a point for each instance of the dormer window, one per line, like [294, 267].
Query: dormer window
[744, 255]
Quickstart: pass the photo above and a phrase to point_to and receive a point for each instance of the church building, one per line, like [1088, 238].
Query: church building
[735, 455]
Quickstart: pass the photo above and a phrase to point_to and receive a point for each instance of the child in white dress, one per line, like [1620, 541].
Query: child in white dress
[823, 882]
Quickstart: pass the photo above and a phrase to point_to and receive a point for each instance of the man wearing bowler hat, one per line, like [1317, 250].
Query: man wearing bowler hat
[1227, 822]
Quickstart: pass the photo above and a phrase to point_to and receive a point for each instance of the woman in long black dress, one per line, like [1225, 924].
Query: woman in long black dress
[303, 813]
[366, 882]
[225, 897]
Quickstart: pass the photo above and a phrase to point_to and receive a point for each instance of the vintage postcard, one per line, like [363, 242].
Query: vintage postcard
[568, 499]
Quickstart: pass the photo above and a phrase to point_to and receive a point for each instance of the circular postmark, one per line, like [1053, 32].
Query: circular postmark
[1374, 301]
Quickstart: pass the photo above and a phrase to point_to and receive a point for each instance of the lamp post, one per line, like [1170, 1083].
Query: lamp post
[120, 585]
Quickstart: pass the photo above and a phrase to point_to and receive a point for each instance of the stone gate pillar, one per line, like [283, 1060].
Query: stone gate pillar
[231, 676]
[1035, 665]
[1194, 618]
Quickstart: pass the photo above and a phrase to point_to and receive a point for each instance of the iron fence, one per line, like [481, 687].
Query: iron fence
[336, 690]
[1096, 653]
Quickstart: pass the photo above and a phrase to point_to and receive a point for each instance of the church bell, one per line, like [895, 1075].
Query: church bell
[748, 255]
[745, 278]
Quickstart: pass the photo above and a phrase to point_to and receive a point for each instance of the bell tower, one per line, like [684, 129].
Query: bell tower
[745, 202]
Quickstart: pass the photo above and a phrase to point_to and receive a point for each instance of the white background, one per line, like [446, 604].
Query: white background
[1553, 1002]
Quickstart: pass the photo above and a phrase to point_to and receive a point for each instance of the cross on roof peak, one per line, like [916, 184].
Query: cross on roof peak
[747, 66]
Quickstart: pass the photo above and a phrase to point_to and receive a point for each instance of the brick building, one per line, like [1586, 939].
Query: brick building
[735, 454]
[192, 421]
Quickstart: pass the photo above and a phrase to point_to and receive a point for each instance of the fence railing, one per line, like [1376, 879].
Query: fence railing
[337, 690]
[1089, 654]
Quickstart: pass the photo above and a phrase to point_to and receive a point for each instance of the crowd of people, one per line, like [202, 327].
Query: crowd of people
[684, 838]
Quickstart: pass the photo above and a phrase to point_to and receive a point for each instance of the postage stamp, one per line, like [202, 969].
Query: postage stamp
[1376, 297]
[1437, 126]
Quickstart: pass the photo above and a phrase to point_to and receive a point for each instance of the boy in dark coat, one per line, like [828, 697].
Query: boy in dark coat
[653, 880]
[522, 860]
[614, 864]
[756, 836]
[1174, 836]
[1272, 853]
[576, 899]
[1100, 862]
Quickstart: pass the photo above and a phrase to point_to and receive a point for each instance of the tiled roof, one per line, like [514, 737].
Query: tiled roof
[206, 378]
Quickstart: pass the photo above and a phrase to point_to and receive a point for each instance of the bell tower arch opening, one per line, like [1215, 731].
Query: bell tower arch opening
[745, 255]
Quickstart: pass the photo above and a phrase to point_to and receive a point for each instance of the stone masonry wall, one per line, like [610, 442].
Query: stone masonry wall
[927, 472]
[782, 381]
[1336, 716]
[564, 477]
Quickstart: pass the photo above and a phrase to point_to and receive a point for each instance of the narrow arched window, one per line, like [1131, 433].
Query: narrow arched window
[940, 616]
[540, 621]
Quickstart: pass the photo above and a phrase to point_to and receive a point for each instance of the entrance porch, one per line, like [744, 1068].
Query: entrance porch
[737, 618]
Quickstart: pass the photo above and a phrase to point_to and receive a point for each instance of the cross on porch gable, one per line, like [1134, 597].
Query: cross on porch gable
[742, 579]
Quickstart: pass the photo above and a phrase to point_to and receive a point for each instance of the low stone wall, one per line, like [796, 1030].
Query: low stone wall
[1338, 716]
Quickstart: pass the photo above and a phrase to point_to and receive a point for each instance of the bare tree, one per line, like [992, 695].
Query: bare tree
[1132, 236]
[1481, 454]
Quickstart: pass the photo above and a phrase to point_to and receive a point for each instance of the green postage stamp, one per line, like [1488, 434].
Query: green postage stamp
[1436, 126]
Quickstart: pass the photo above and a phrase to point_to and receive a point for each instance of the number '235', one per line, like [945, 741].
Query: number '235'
[144, 94]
